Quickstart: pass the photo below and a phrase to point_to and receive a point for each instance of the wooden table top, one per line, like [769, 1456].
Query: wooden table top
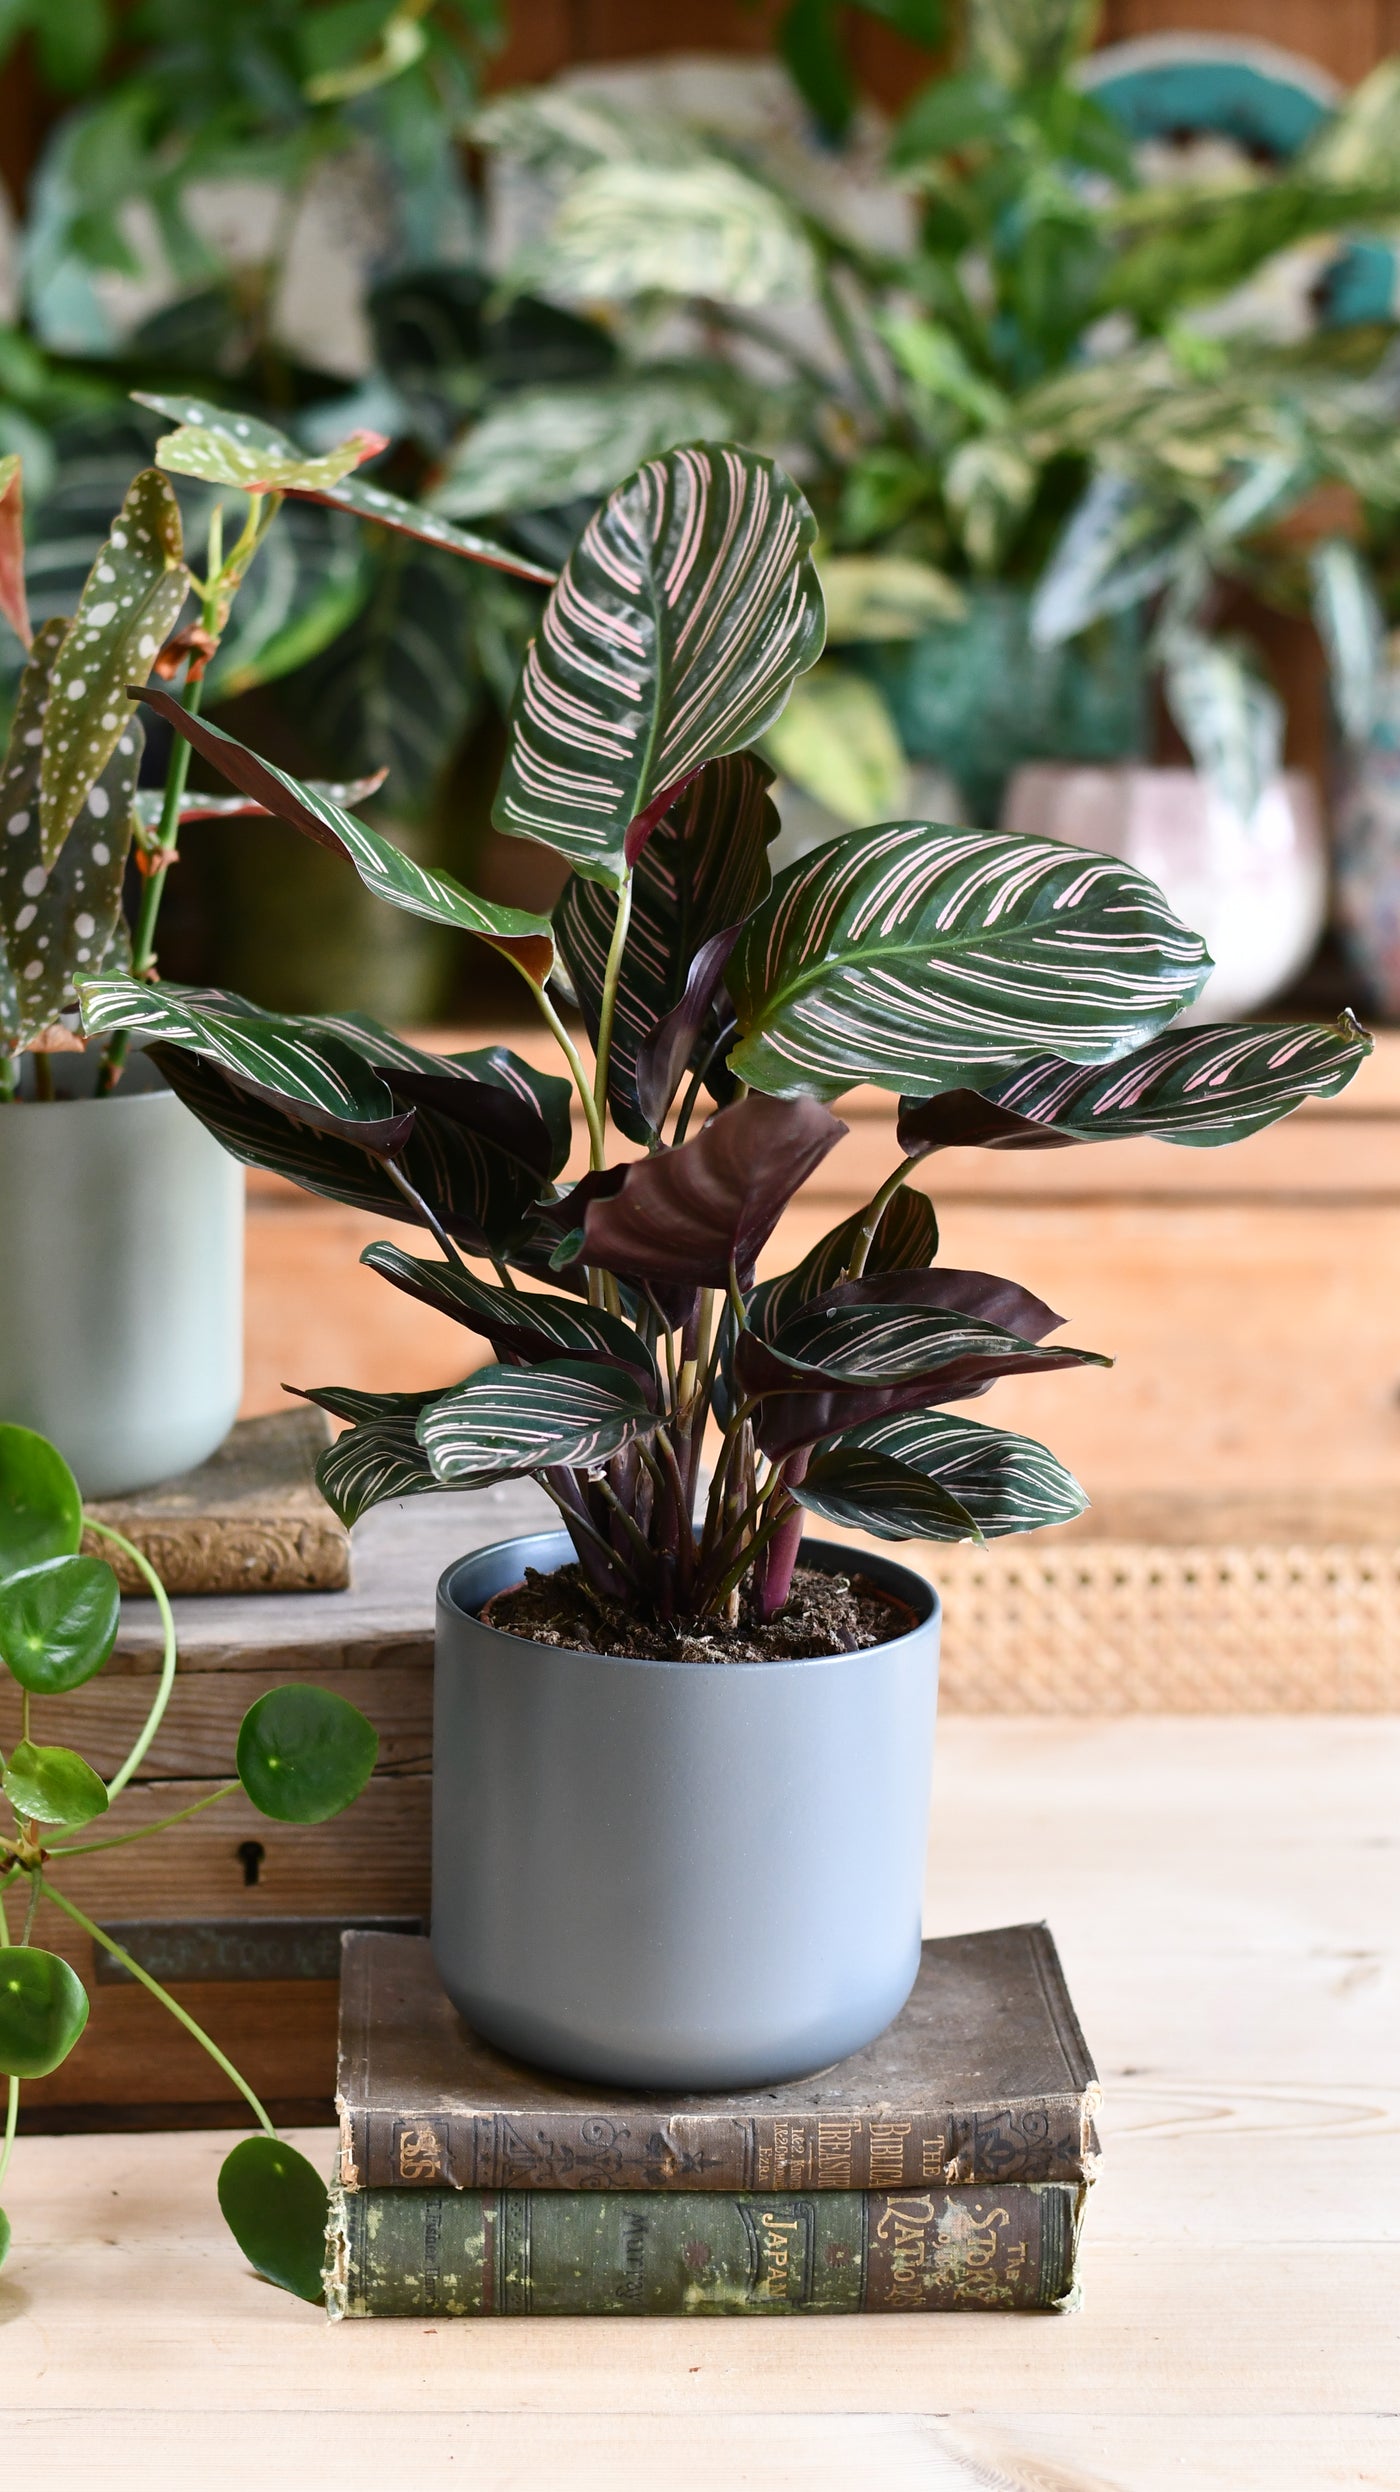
[1225, 1897]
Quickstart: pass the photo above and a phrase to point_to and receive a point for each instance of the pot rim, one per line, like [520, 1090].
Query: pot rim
[830, 1556]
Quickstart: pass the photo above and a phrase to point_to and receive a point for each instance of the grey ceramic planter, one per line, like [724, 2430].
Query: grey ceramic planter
[121, 1279]
[677, 1874]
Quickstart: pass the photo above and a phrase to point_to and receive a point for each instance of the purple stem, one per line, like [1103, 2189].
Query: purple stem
[780, 1557]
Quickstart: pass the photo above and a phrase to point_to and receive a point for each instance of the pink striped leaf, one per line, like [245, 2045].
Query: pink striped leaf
[505, 1422]
[914, 955]
[888, 1477]
[1199, 1087]
[674, 634]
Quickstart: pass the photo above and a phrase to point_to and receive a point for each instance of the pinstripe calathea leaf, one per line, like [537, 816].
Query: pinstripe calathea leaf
[313, 1079]
[382, 868]
[865, 1352]
[673, 636]
[57, 921]
[505, 1421]
[485, 1136]
[378, 1455]
[130, 602]
[223, 447]
[1198, 1087]
[953, 951]
[522, 1324]
[905, 1240]
[196, 805]
[887, 1477]
[702, 872]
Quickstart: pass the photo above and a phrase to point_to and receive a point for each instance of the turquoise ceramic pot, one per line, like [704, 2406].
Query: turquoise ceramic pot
[121, 1279]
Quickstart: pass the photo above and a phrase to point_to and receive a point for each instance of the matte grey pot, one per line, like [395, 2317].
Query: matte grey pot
[121, 1279]
[677, 1874]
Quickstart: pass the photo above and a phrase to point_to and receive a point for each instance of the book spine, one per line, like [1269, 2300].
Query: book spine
[470, 2254]
[1048, 2139]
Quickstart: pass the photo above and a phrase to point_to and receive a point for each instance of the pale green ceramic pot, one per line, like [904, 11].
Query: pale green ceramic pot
[121, 1278]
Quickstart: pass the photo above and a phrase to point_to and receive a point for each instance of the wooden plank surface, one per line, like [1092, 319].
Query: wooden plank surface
[1225, 1895]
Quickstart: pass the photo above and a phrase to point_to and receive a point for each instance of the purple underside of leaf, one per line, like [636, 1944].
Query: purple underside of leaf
[384, 1138]
[983, 1295]
[640, 829]
[499, 1115]
[799, 1409]
[963, 1119]
[662, 1059]
[687, 1214]
[249, 775]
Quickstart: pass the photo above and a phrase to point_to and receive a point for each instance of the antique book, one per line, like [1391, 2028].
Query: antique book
[250, 1519]
[503, 2253]
[982, 2078]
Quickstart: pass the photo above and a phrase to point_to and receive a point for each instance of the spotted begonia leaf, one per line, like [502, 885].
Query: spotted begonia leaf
[130, 601]
[57, 920]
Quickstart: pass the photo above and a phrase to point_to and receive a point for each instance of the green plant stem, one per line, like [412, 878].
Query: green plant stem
[143, 941]
[36, 1889]
[138, 1834]
[4, 1924]
[11, 2123]
[608, 1007]
[9, 1075]
[411, 1194]
[874, 1213]
[572, 1058]
[169, 1657]
[138, 1972]
[43, 1074]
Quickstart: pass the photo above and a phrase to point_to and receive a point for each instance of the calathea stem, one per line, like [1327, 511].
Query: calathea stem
[775, 1577]
[874, 1213]
[138, 1972]
[608, 1006]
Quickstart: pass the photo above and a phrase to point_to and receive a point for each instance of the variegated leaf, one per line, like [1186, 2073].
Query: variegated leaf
[130, 602]
[507, 1421]
[673, 636]
[1351, 627]
[57, 921]
[885, 597]
[834, 1367]
[520, 1323]
[624, 230]
[1230, 716]
[13, 604]
[316, 1081]
[1198, 1087]
[701, 873]
[1121, 545]
[1006, 1483]
[382, 868]
[224, 447]
[918, 955]
[378, 1456]
[540, 446]
[196, 806]
[868, 1492]
[906, 1240]
[837, 741]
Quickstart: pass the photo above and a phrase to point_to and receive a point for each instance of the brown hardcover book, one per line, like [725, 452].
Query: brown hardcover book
[983, 2077]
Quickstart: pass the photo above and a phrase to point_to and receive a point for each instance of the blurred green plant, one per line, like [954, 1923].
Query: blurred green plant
[303, 1754]
[1045, 387]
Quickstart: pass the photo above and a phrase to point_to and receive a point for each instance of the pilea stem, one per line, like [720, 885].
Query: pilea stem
[138, 1834]
[11, 2123]
[169, 1656]
[138, 1972]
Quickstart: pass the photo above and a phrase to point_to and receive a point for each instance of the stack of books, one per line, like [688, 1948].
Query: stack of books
[943, 2168]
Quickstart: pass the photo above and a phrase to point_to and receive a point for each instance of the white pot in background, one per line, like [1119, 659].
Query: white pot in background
[121, 1278]
[1256, 891]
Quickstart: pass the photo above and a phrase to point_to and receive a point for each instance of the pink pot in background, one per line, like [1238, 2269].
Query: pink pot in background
[1256, 891]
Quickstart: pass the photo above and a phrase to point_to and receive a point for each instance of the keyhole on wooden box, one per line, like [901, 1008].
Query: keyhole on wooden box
[252, 1854]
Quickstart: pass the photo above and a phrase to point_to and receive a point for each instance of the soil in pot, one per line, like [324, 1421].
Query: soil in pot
[823, 1614]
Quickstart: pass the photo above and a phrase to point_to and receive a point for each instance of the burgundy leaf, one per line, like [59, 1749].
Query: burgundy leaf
[982, 1295]
[905, 1239]
[640, 829]
[498, 1115]
[964, 1120]
[663, 1058]
[687, 1214]
[12, 598]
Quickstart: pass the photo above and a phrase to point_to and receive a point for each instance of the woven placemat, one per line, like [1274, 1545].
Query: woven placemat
[251, 1519]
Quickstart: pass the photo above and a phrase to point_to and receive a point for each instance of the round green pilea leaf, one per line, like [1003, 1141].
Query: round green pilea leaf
[274, 2204]
[304, 1754]
[41, 1510]
[58, 1623]
[43, 2009]
[55, 1785]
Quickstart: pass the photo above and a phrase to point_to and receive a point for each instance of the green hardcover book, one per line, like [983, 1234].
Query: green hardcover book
[982, 2078]
[527, 2253]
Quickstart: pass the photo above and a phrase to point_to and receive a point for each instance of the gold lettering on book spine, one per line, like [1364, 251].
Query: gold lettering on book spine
[836, 2141]
[420, 2155]
[887, 2153]
[903, 2229]
[778, 2236]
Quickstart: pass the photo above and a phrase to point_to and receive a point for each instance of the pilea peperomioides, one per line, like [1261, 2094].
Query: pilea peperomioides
[302, 1755]
[1014, 993]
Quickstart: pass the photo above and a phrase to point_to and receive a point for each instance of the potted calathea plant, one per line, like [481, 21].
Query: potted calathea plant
[682, 1756]
[302, 1755]
[121, 1226]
